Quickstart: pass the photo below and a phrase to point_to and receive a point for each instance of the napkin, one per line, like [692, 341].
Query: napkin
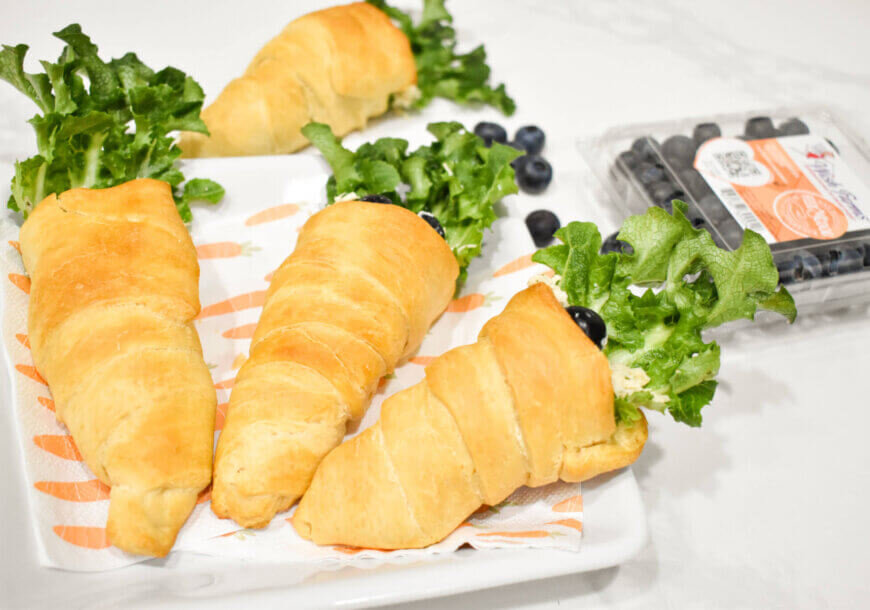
[240, 243]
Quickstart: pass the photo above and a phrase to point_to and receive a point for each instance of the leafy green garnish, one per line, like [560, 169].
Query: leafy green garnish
[698, 286]
[456, 178]
[82, 132]
[441, 71]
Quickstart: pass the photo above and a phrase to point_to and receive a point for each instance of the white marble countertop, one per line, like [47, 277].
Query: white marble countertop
[763, 507]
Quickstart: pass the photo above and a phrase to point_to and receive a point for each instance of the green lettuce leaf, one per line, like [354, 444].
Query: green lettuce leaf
[441, 71]
[690, 285]
[456, 178]
[87, 108]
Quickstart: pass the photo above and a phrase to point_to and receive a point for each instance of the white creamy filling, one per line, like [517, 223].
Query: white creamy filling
[553, 283]
[406, 97]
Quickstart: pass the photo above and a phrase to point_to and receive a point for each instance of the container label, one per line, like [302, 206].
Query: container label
[785, 188]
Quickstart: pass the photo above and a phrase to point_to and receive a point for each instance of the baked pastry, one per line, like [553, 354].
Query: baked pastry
[356, 296]
[529, 403]
[337, 66]
[114, 287]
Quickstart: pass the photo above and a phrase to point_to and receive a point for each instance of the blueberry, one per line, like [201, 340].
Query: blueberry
[646, 148]
[649, 174]
[612, 244]
[699, 223]
[589, 322]
[808, 265]
[759, 127]
[713, 210]
[787, 271]
[627, 160]
[376, 199]
[533, 173]
[679, 151]
[694, 183]
[490, 132]
[663, 194]
[793, 127]
[433, 222]
[542, 224]
[531, 139]
[845, 260]
[866, 248]
[705, 131]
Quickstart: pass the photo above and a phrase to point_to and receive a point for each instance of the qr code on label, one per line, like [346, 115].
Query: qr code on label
[737, 164]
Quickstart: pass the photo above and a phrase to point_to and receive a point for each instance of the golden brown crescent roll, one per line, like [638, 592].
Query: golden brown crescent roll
[337, 66]
[114, 287]
[356, 296]
[530, 403]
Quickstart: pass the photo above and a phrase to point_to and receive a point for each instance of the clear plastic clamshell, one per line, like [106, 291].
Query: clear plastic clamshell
[797, 176]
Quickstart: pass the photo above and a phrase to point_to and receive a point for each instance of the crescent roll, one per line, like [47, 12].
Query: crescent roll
[337, 66]
[114, 287]
[529, 403]
[356, 296]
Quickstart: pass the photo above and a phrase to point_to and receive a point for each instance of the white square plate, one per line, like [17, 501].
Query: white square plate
[614, 522]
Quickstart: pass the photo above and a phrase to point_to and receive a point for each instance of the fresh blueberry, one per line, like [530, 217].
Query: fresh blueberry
[648, 173]
[433, 222]
[845, 260]
[704, 132]
[713, 210]
[531, 139]
[793, 127]
[679, 151]
[612, 244]
[589, 322]
[627, 160]
[663, 194]
[759, 127]
[533, 173]
[699, 223]
[693, 182]
[865, 247]
[376, 199]
[798, 267]
[542, 225]
[646, 148]
[490, 132]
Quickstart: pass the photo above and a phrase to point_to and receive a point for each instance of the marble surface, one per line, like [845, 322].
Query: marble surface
[765, 506]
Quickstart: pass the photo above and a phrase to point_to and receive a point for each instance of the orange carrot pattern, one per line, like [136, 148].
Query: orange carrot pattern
[85, 537]
[46, 402]
[269, 276]
[572, 523]
[31, 372]
[246, 331]
[470, 302]
[574, 504]
[61, 445]
[236, 303]
[15, 245]
[20, 281]
[422, 360]
[518, 264]
[528, 534]
[23, 340]
[204, 495]
[220, 416]
[225, 249]
[75, 491]
[272, 214]
[226, 384]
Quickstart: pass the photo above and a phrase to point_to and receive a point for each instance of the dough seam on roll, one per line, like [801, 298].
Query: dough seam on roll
[107, 220]
[394, 477]
[515, 414]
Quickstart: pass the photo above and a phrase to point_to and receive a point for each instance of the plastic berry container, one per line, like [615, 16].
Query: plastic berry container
[798, 176]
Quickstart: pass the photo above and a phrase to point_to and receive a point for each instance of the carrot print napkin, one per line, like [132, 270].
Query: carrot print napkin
[239, 243]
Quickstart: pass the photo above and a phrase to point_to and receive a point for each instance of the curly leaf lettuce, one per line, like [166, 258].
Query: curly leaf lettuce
[441, 71]
[456, 178]
[690, 285]
[83, 133]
